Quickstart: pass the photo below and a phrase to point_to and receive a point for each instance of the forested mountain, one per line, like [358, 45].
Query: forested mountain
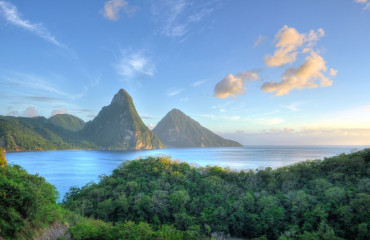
[119, 126]
[327, 199]
[67, 121]
[38, 133]
[179, 130]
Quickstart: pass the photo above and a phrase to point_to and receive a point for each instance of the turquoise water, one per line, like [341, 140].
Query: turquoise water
[78, 167]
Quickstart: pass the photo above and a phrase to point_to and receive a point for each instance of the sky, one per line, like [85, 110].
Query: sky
[273, 72]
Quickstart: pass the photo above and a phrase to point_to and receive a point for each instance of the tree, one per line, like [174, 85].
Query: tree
[3, 162]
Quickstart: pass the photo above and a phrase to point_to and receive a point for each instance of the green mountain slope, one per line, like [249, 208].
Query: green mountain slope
[118, 126]
[179, 130]
[30, 134]
[67, 121]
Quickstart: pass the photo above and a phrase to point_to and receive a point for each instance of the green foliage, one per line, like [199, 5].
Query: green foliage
[25, 134]
[179, 130]
[67, 121]
[326, 199]
[27, 203]
[3, 162]
[89, 229]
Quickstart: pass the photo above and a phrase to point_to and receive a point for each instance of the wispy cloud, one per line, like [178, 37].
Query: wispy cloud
[221, 117]
[293, 107]
[58, 111]
[198, 83]
[10, 13]
[13, 113]
[135, 64]
[177, 18]
[113, 8]
[174, 92]
[365, 3]
[42, 99]
[232, 85]
[26, 82]
[260, 39]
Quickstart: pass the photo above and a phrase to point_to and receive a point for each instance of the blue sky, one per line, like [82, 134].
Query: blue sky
[259, 72]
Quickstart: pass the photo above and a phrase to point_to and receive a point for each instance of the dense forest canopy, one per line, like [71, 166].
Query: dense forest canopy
[327, 199]
[157, 198]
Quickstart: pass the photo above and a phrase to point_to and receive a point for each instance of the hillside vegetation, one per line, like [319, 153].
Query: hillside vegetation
[28, 210]
[25, 134]
[327, 199]
[67, 121]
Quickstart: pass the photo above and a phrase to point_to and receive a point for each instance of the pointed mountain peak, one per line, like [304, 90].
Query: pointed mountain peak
[121, 97]
[177, 129]
[119, 126]
[175, 111]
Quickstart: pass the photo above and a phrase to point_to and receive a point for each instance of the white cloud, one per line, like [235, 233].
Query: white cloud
[135, 64]
[174, 92]
[113, 8]
[366, 4]
[333, 72]
[259, 40]
[289, 40]
[58, 111]
[150, 126]
[30, 112]
[10, 13]
[305, 76]
[232, 85]
[198, 83]
[293, 107]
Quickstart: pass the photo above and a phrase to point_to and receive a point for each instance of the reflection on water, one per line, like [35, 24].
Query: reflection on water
[78, 167]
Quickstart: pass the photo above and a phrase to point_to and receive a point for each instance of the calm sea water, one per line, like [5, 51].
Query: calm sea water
[78, 167]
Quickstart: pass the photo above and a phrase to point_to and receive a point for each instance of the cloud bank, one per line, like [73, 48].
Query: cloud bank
[310, 74]
[304, 76]
[232, 85]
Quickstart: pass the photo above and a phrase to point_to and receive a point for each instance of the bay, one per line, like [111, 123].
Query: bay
[79, 167]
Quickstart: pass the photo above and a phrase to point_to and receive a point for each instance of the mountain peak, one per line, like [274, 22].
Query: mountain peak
[119, 126]
[121, 97]
[176, 111]
[177, 129]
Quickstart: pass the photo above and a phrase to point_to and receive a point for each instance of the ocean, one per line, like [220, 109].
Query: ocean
[79, 167]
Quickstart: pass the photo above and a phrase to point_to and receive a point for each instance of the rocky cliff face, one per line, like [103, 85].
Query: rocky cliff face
[179, 130]
[118, 126]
